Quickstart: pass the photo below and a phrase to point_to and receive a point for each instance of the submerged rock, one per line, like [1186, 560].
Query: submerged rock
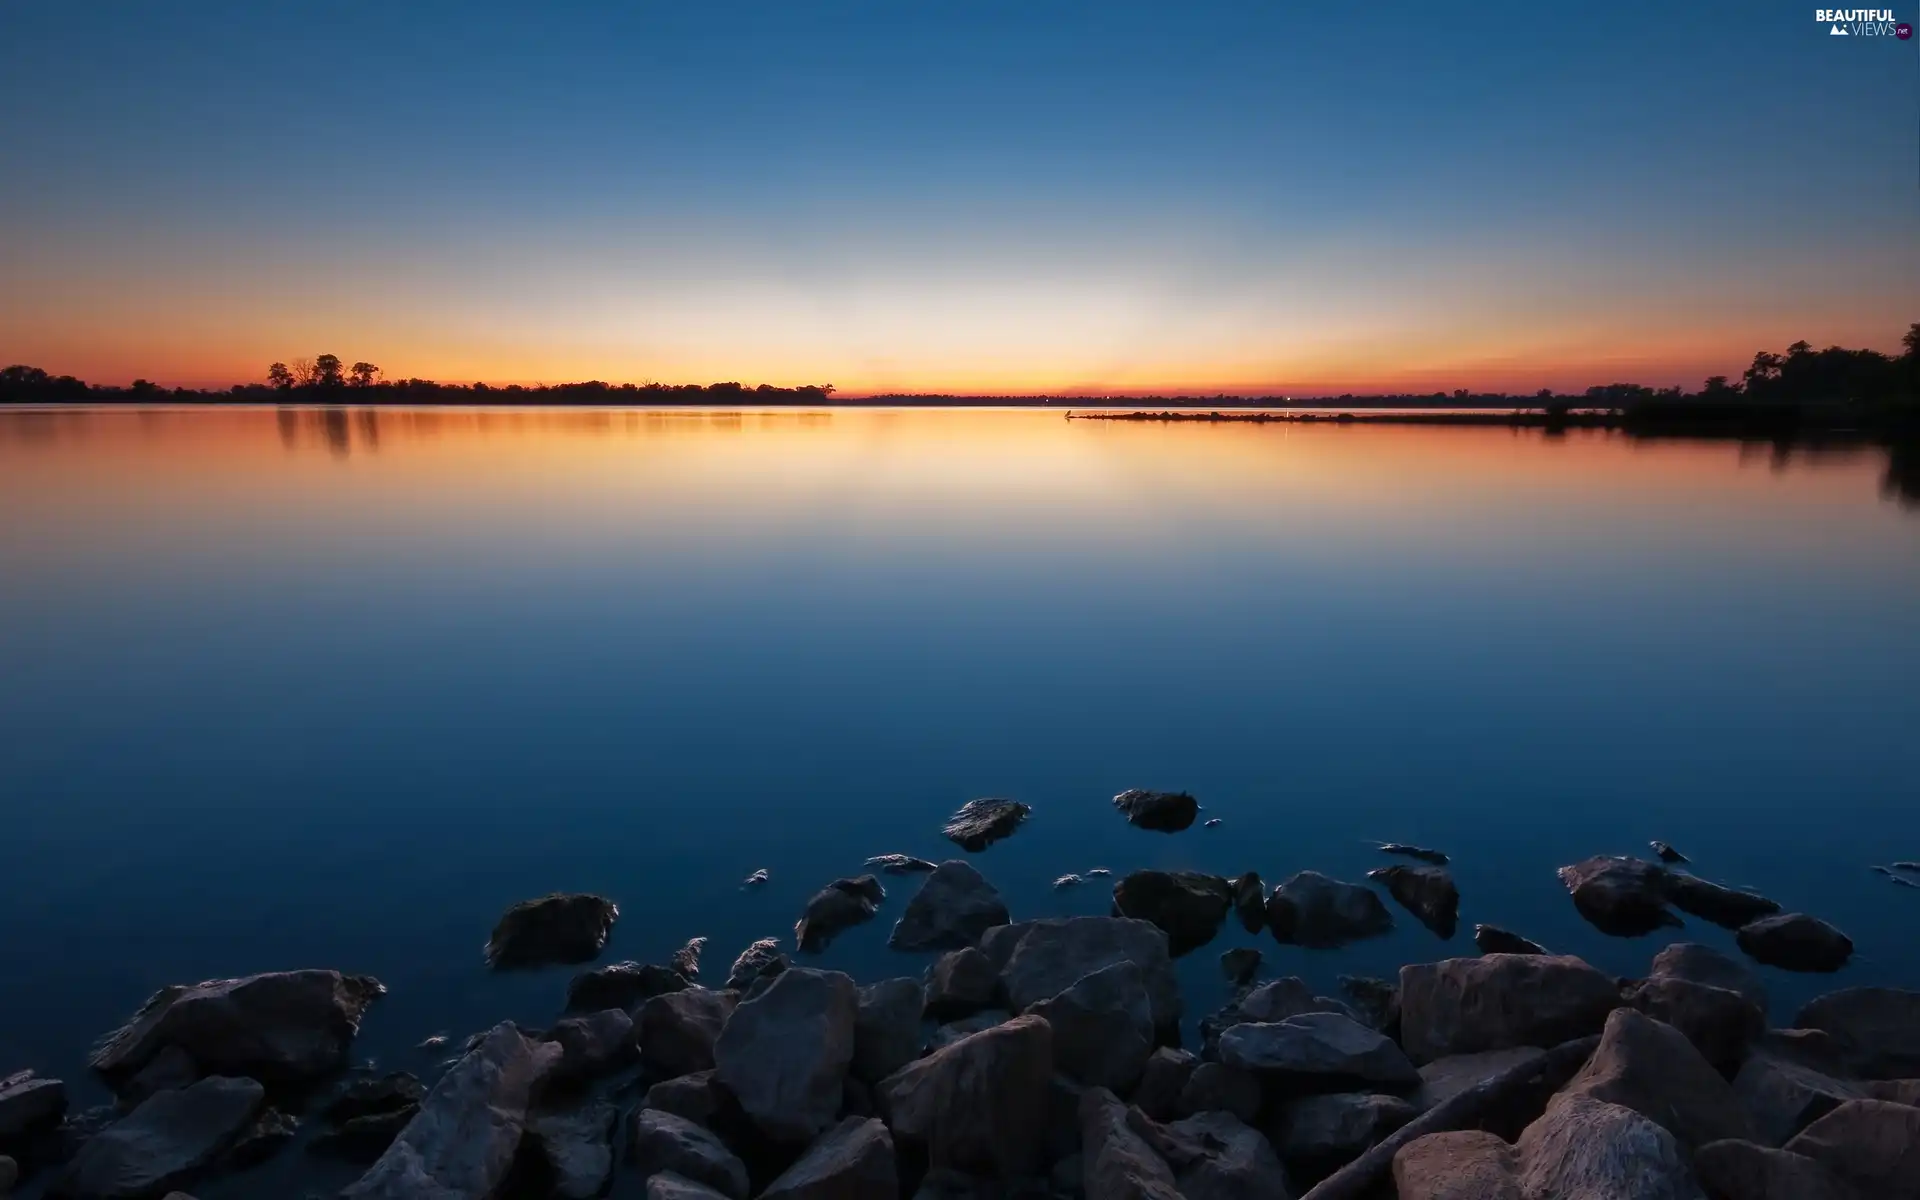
[1067, 881]
[836, 908]
[1040, 959]
[565, 927]
[1796, 942]
[1320, 913]
[784, 1054]
[1625, 897]
[1213, 822]
[1420, 852]
[1102, 1027]
[980, 823]
[1324, 1046]
[1098, 872]
[1162, 812]
[1491, 939]
[623, 985]
[955, 907]
[172, 1137]
[759, 959]
[1250, 901]
[1875, 1030]
[1187, 905]
[1240, 965]
[686, 960]
[1499, 1001]
[899, 864]
[1724, 906]
[756, 879]
[978, 1105]
[1426, 892]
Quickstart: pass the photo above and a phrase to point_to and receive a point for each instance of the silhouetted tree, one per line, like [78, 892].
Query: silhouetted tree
[278, 376]
[365, 374]
[303, 372]
[327, 372]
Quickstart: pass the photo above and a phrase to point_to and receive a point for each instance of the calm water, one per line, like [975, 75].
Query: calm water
[284, 689]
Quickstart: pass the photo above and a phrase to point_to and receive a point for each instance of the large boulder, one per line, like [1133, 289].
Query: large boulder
[461, 1144]
[677, 1030]
[28, 1105]
[1703, 964]
[1796, 942]
[784, 1054]
[953, 1031]
[978, 1105]
[661, 1142]
[592, 1045]
[980, 823]
[1587, 1149]
[1163, 812]
[172, 1137]
[1326, 1047]
[886, 1032]
[1499, 1001]
[362, 1140]
[565, 927]
[578, 1146]
[1187, 905]
[1651, 1068]
[758, 961]
[961, 983]
[954, 907]
[1117, 1163]
[1273, 1001]
[836, 908]
[622, 985]
[1428, 893]
[1875, 1030]
[1726, 907]
[1721, 1024]
[1216, 1156]
[1375, 1001]
[670, 1185]
[1873, 1144]
[1744, 1171]
[697, 1097]
[1040, 959]
[1216, 1087]
[1328, 1131]
[852, 1161]
[1166, 1074]
[1625, 897]
[1444, 1078]
[1320, 913]
[1782, 1097]
[291, 1026]
[1102, 1027]
[1250, 901]
[1466, 1164]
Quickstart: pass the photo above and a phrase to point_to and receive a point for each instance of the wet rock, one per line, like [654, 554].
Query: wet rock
[1166, 1073]
[1875, 1030]
[1796, 942]
[1067, 881]
[1899, 1091]
[1186, 905]
[1721, 1024]
[1444, 1078]
[946, 1035]
[1320, 913]
[1213, 822]
[1498, 1001]
[171, 1068]
[1240, 965]
[593, 1045]
[1216, 1087]
[685, 961]
[1270, 1002]
[288, 1026]
[899, 864]
[623, 985]
[980, 823]
[1324, 1132]
[1420, 852]
[661, 1142]
[1467, 1164]
[886, 1031]
[1781, 1097]
[461, 1144]
[1703, 964]
[961, 983]
[1162, 812]
[269, 1134]
[1322, 1046]
[1098, 873]
[835, 909]
[979, 1105]
[784, 1054]
[1587, 1149]
[1250, 901]
[1040, 959]
[1625, 897]
[1871, 1144]
[1651, 1068]
[1426, 892]
[696, 1097]
[365, 1095]
[756, 879]
[29, 1105]
[1216, 1156]
[666, 1185]
[1491, 939]
[1666, 853]
[565, 927]
[1375, 1001]
[578, 1146]
[852, 1161]
[362, 1140]
[955, 907]
[1116, 1162]
[1724, 906]
[1102, 1027]
[1744, 1171]
[757, 961]
[172, 1137]
[677, 1030]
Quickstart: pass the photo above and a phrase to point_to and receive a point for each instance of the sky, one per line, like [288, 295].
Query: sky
[953, 195]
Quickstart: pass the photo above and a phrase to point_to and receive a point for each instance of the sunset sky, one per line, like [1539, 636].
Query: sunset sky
[953, 195]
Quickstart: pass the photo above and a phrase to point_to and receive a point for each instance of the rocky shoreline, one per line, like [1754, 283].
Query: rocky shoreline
[1042, 1060]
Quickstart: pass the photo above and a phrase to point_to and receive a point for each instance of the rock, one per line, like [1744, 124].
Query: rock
[365, 1095]
[852, 1161]
[784, 1054]
[171, 1068]
[1651, 1068]
[1721, 1024]
[659, 1141]
[362, 1140]
[1796, 942]
[961, 983]
[1213, 822]
[1250, 901]
[578, 1146]
[1467, 1164]
[1270, 1002]
[677, 1030]
[266, 1137]
[1876, 1030]
[761, 959]
[665, 1185]
[980, 823]
[979, 1105]
[1166, 1073]
[10, 1175]
[1102, 1027]
[1666, 853]
[1625, 897]
[1491, 939]
[1116, 1162]
[686, 960]
[1498, 1001]
[1744, 1171]
[1328, 1131]
[1227, 1160]
[899, 864]
[944, 1184]
[290, 1026]
[836, 908]
[1240, 965]
[1781, 1097]
[565, 927]
[1067, 881]
[1703, 964]
[1420, 852]
[1320, 913]
[624, 985]
[1871, 1144]
[1375, 1001]
[1899, 1091]
[592, 1045]
[29, 1104]
[955, 907]
[1426, 892]
[1162, 812]
[886, 1032]
[1325, 1046]
[1724, 906]
[697, 1097]
[1815, 1049]
[1587, 1149]
[756, 879]
[1039, 959]
[1098, 873]
[170, 1138]
[946, 1035]
[462, 1142]
[1444, 1078]
[1068, 1177]
[1216, 1087]
[1187, 906]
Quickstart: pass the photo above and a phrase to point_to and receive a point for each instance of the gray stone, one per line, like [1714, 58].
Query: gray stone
[1188, 906]
[578, 1146]
[622, 985]
[1444, 1078]
[886, 1032]
[1587, 1149]
[1166, 1074]
[1796, 942]
[1720, 1023]
[1625, 897]
[836, 908]
[592, 1045]
[365, 1095]
[954, 907]
[564, 927]
[29, 1104]
[666, 1185]
[362, 1140]
[1429, 893]
[1041, 959]
[1499, 1001]
[1782, 1097]
[1322, 1045]
[1703, 964]
[1240, 965]
[1250, 901]
[677, 1030]
[1875, 1030]
[1102, 1027]
[172, 1137]
[1227, 1160]
[1320, 913]
[1116, 1162]
[961, 983]
[784, 1054]
[946, 1035]
[1466, 1164]
[659, 1141]
[1332, 1130]
[170, 1069]
[978, 824]
[697, 1097]
[1724, 906]
[979, 1105]
[1872, 1144]
[1216, 1087]
[1744, 1171]
[1651, 1068]
[852, 1161]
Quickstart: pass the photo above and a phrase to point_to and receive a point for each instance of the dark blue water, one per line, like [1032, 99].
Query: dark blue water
[309, 689]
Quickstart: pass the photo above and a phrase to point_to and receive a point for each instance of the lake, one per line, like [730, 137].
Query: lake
[288, 688]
